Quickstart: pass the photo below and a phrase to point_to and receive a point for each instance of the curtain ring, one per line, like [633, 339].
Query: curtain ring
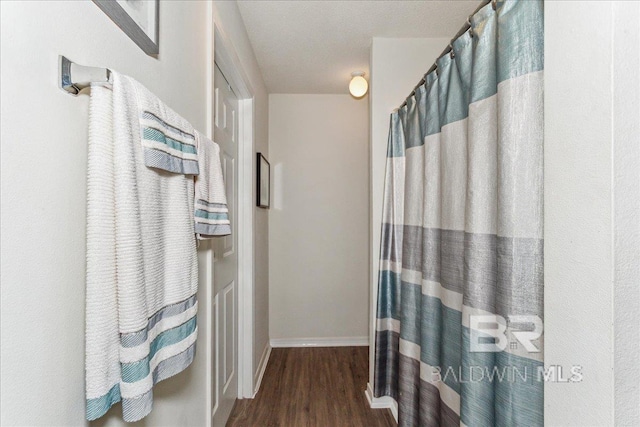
[494, 4]
[452, 54]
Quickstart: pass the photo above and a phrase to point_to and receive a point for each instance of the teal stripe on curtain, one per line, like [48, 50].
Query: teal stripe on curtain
[462, 231]
[432, 114]
[389, 307]
[395, 146]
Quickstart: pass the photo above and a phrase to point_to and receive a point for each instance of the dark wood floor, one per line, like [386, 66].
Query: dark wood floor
[312, 387]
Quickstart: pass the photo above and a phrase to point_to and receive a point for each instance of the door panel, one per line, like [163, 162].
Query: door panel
[215, 396]
[229, 346]
[228, 247]
[225, 266]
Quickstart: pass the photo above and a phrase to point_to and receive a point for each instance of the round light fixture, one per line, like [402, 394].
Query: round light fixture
[358, 85]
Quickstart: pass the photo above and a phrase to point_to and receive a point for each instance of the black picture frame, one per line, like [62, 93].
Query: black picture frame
[148, 42]
[263, 185]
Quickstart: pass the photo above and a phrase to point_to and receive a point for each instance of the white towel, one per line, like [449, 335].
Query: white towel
[141, 258]
[211, 214]
[168, 140]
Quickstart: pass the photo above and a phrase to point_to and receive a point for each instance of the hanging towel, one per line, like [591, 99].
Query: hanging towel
[141, 257]
[211, 211]
[168, 140]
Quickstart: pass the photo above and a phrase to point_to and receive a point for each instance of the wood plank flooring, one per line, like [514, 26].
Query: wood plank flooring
[309, 387]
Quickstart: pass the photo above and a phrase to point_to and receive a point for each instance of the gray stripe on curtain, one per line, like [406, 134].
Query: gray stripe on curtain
[469, 263]
[386, 381]
[421, 400]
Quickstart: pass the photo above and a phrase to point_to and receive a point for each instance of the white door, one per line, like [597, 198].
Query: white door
[225, 266]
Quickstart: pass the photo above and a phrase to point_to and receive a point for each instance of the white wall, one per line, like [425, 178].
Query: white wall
[228, 19]
[44, 139]
[397, 65]
[626, 208]
[43, 167]
[592, 206]
[317, 224]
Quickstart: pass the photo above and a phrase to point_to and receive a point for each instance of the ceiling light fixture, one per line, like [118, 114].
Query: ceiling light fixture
[358, 85]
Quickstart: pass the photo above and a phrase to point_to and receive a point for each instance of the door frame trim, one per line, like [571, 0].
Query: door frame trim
[227, 59]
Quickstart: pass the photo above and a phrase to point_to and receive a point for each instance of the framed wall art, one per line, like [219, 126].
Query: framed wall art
[137, 18]
[264, 184]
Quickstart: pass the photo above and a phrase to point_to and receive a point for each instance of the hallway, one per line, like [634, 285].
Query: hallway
[312, 387]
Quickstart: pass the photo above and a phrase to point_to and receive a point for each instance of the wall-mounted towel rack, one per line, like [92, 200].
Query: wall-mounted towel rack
[73, 77]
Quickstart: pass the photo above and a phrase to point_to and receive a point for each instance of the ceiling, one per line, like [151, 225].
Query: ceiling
[309, 46]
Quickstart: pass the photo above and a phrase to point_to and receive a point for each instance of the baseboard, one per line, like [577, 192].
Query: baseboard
[385, 402]
[262, 366]
[320, 342]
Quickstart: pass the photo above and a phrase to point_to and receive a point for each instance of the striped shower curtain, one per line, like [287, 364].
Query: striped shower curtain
[460, 294]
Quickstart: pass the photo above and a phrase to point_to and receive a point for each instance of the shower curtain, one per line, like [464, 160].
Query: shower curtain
[460, 293]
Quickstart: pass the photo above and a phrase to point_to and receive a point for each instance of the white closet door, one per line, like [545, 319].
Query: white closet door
[225, 267]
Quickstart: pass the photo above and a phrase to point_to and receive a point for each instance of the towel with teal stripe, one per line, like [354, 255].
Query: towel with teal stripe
[168, 140]
[211, 210]
[142, 264]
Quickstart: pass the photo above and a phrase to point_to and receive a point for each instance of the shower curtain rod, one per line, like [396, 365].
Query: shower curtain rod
[73, 78]
[449, 48]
